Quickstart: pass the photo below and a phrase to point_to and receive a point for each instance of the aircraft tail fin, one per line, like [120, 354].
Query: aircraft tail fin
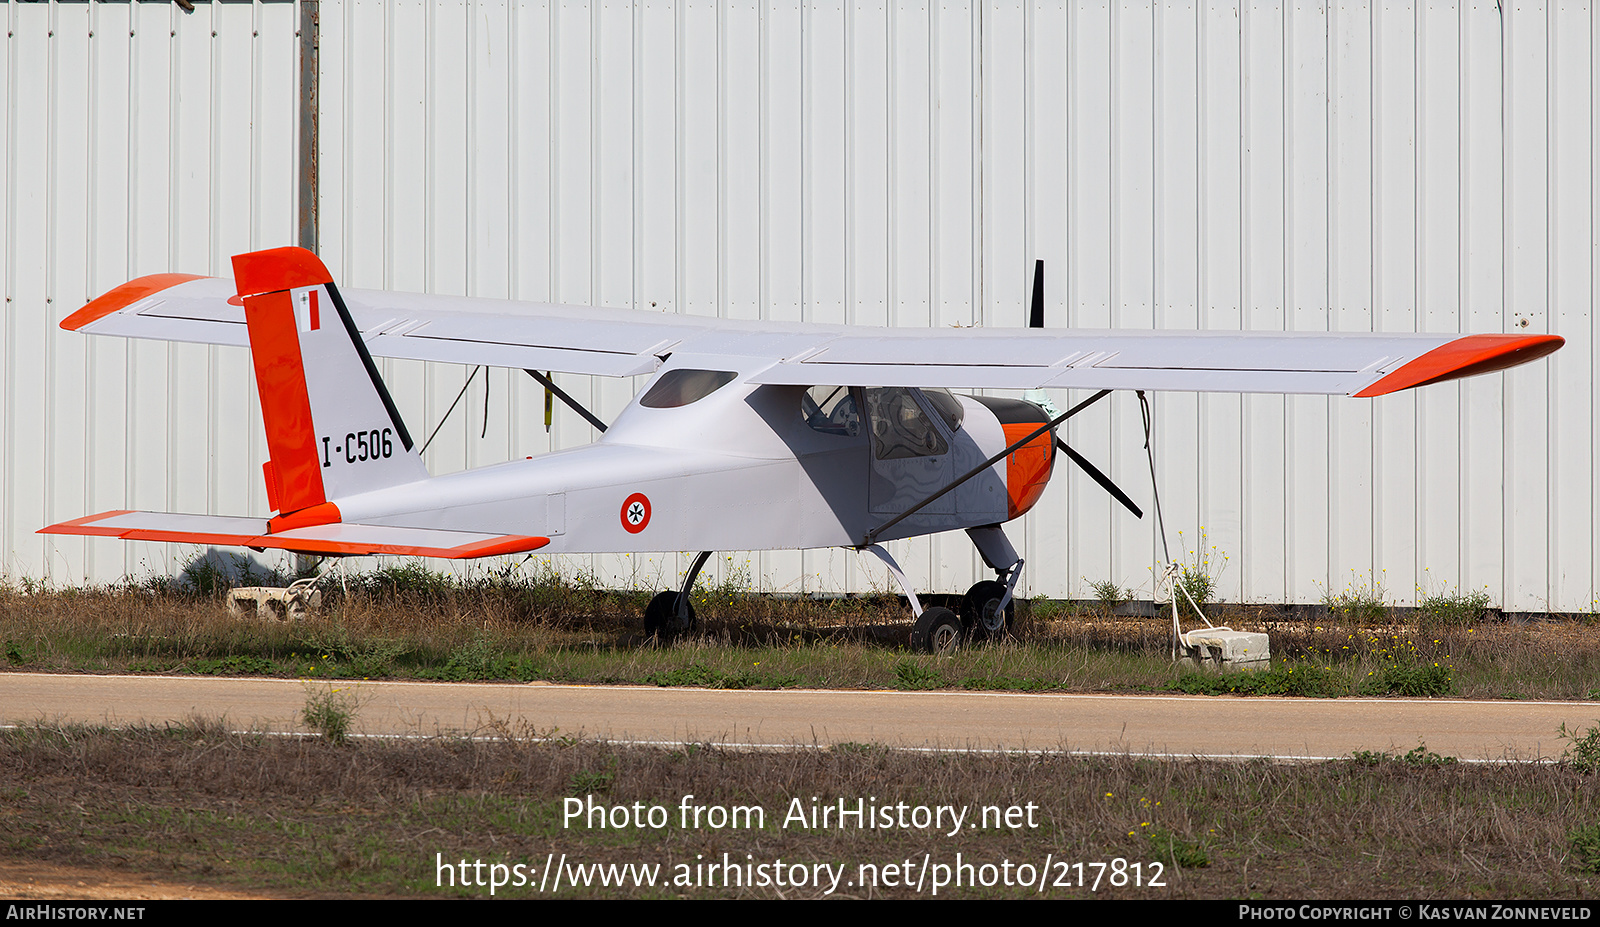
[332, 427]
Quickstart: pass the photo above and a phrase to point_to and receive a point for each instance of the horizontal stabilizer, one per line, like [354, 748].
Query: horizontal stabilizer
[335, 539]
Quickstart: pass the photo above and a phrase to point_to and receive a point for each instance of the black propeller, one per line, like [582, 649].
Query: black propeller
[1036, 315]
[1101, 478]
[1036, 320]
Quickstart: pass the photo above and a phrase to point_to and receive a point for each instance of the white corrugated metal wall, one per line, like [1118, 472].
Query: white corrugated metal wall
[137, 139]
[1178, 165]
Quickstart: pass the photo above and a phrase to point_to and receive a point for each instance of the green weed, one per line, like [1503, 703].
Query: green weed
[1455, 609]
[1403, 670]
[1303, 679]
[1007, 684]
[1585, 843]
[17, 655]
[589, 781]
[702, 676]
[911, 675]
[482, 658]
[1410, 681]
[1583, 749]
[234, 666]
[1198, 575]
[1109, 595]
[1168, 847]
[1360, 605]
[856, 747]
[330, 712]
[1419, 756]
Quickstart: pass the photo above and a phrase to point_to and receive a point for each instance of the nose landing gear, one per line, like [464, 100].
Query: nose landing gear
[987, 610]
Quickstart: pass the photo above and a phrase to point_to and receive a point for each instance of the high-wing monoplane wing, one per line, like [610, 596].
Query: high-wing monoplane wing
[623, 342]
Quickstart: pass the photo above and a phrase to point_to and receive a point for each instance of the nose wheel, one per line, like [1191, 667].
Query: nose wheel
[981, 615]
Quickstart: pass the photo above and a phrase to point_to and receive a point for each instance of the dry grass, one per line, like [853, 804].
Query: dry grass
[305, 816]
[407, 623]
[299, 816]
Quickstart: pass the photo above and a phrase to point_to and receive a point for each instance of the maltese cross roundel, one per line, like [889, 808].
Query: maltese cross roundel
[635, 513]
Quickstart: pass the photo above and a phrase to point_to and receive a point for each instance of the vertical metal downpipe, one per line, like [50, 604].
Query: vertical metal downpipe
[310, 17]
[306, 234]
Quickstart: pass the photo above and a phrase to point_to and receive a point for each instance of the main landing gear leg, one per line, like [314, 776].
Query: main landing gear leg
[937, 630]
[671, 613]
[988, 610]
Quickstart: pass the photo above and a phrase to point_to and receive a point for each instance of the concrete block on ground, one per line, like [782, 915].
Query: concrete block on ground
[1223, 648]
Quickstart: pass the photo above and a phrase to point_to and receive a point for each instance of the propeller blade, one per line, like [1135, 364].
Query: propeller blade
[1101, 478]
[1036, 314]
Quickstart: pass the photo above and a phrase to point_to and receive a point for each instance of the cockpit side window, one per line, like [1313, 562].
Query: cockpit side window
[683, 386]
[900, 429]
[831, 410]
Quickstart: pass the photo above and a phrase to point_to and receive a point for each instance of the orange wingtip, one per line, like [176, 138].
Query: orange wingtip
[1466, 357]
[123, 296]
[277, 269]
[85, 525]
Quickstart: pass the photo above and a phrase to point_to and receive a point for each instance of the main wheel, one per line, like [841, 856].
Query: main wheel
[980, 611]
[661, 619]
[937, 630]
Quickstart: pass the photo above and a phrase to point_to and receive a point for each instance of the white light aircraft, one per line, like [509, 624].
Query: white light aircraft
[748, 436]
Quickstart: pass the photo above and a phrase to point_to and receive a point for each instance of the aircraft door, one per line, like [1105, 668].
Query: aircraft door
[910, 453]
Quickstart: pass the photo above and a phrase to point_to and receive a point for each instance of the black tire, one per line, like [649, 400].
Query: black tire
[980, 612]
[661, 620]
[937, 630]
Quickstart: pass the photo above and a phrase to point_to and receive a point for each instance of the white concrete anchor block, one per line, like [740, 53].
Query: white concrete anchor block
[1222, 648]
[301, 599]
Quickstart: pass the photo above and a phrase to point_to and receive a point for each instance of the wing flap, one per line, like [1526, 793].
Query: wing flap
[331, 539]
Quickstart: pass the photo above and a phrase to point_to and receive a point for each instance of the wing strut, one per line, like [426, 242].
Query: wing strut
[457, 402]
[561, 394]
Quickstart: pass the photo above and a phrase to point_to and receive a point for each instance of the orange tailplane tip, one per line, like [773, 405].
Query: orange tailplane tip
[123, 296]
[1466, 357]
